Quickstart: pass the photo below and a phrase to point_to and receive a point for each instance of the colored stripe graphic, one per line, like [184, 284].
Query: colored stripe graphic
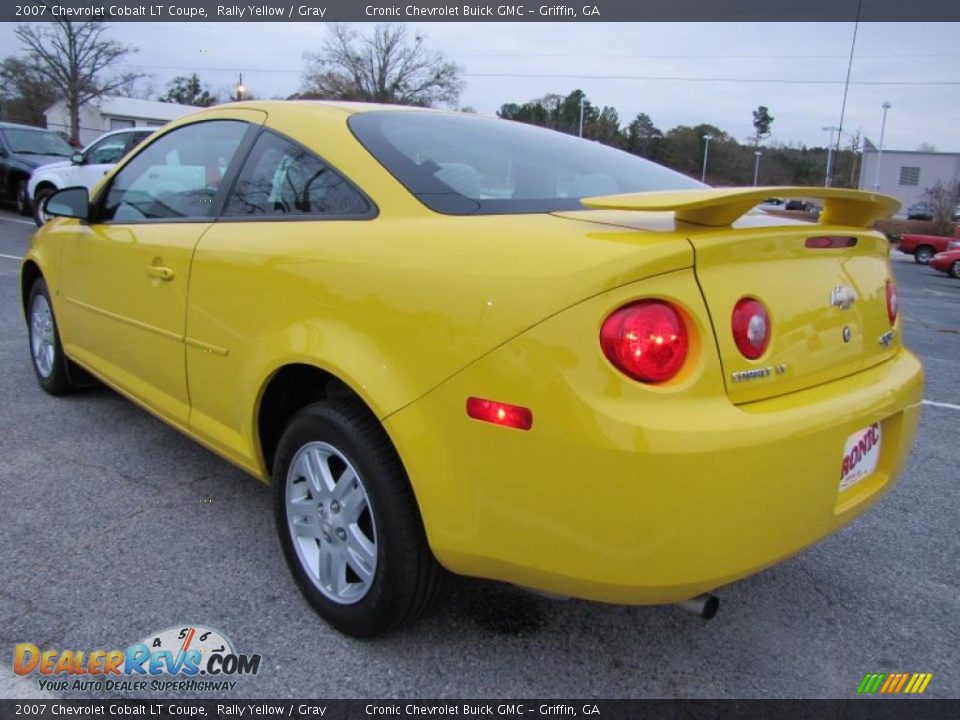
[919, 683]
[894, 683]
[870, 683]
[903, 679]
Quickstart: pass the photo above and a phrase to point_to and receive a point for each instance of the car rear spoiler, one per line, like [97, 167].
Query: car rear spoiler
[719, 207]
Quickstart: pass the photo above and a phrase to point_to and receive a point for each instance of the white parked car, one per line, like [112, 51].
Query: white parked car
[84, 168]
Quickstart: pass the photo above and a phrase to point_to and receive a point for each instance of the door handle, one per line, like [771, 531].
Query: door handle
[161, 273]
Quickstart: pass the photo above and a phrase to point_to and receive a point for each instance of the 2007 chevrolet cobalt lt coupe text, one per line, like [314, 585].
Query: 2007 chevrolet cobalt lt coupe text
[463, 342]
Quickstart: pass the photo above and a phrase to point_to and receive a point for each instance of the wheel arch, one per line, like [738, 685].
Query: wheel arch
[29, 273]
[43, 185]
[16, 175]
[287, 390]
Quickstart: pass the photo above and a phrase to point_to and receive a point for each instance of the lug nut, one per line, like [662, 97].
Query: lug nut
[341, 533]
[334, 507]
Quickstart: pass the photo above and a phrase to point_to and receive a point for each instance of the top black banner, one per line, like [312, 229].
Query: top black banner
[450, 11]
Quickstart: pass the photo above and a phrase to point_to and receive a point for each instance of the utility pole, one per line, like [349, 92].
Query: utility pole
[706, 150]
[756, 166]
[883, 129]
[581, 116]
[829, 179]
[240, 88]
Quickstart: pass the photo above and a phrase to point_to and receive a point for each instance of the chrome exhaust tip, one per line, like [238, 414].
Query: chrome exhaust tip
[705, 605]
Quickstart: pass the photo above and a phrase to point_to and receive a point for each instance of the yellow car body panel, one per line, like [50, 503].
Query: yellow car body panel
[381, 304]
[637, 494]
[621, 491]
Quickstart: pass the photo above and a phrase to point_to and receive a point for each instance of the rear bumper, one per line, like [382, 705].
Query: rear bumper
[625, 494]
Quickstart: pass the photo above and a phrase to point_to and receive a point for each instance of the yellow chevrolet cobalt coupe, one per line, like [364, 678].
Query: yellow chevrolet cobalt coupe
[458, 342]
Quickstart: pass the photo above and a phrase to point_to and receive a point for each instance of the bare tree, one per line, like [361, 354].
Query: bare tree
[388, 66]
[75, 58]
[942, 198]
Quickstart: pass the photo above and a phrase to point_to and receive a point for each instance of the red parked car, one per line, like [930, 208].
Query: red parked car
[924, 247]
[949, 261]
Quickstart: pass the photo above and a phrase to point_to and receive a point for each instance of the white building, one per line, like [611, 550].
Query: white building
[113, 113]
[905, 174]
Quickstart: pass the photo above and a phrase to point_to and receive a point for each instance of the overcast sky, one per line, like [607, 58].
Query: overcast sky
[784, 56]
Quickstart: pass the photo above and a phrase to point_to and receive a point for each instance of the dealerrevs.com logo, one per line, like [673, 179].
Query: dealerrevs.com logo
[185, 658]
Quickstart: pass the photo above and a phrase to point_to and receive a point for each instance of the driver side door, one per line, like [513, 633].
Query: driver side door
[125, 273]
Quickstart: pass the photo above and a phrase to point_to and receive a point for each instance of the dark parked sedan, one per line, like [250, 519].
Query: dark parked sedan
[22, 149]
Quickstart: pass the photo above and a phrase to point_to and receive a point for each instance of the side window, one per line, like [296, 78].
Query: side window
[282, 178]
[175, 177]
[106, 151]
[137, 138]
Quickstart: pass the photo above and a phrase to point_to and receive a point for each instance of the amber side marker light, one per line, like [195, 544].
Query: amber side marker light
[498, 413]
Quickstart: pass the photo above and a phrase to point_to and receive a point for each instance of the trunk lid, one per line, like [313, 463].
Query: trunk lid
[827, 306]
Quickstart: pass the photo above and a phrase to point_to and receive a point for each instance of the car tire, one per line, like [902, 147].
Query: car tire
[354, 541]
[39, 217]
[923, 254]
[50, 365]
[23, 207]
[955, 269]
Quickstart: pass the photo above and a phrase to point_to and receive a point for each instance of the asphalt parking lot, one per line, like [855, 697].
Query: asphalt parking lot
[114, 526]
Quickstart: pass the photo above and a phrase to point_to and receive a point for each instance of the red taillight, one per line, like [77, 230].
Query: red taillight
[499, 413]
[830, 242]
[893, 302]
[751, 327]
[646, 340]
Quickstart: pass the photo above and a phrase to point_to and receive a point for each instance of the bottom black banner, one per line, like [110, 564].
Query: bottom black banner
[865, 709]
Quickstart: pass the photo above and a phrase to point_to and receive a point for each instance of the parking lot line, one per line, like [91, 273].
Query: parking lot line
[15, 220]
[948, 406]
[11, 257]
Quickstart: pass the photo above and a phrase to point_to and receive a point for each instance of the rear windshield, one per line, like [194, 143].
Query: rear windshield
[25, 141]
[464, 164]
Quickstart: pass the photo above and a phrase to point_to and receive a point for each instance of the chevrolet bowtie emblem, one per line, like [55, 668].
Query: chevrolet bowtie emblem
[843, 297]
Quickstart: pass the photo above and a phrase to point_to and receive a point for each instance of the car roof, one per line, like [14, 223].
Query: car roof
[121, 131]
[18, 126]
[346, 106]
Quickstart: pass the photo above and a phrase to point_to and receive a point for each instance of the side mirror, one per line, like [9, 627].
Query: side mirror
[77, 158]
[73, 202]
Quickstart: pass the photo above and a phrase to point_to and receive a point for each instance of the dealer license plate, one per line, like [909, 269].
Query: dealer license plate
[861, 453]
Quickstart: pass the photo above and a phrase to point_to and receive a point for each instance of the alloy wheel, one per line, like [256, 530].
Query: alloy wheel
[331, 523]
[42, 338]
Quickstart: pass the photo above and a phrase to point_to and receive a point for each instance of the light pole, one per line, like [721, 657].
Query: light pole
[240, 88]
[829, 179]
[883, 129]
[756, 166]
[581, 116]
[706, 151]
